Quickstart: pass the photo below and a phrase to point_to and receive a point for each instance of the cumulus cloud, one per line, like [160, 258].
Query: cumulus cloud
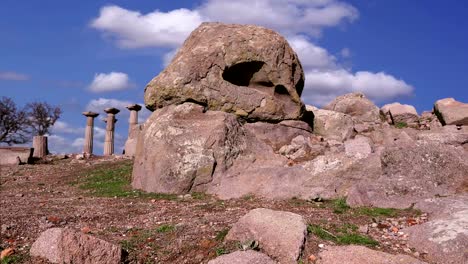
[132, 29]
[13, 76]
[63, 127]
[301, 21]
[113, 81]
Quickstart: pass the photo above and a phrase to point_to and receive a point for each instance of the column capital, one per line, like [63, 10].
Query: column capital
[134, 107]
[90, 114]
[111, 110]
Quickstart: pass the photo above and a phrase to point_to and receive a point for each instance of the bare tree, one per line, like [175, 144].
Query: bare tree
[13, 123]
[41, 117]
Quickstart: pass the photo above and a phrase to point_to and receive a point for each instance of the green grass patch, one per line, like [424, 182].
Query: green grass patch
[221, 234]
[221, 251]
[12, 259]
[375, 212]
[199, 195]
[340, 206]
[165, 229]
[343, 235]
[401, 125]
[115, 181]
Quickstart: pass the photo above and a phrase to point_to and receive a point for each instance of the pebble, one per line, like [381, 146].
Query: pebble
[321, 245]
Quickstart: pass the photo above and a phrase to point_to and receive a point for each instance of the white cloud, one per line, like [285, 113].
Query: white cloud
[323, 86]
[113, 81]
[13, 76]
[299, 20]
[131, 29]
[60, 145]
[98, 105]
[345, 53]
[63, 127]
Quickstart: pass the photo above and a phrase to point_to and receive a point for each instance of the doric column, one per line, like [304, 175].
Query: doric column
[133, 121]
[110, 125]
[89, 132]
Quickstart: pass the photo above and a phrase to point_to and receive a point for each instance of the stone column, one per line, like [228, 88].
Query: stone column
[133, 121]
[89, 132]
[40, 146]
[110, 125]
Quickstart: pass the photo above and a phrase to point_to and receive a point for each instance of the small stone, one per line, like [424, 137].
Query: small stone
[374, 225]
[364, 229]
[6, 252]
[321, 245]
[86, 230]
[312, 258]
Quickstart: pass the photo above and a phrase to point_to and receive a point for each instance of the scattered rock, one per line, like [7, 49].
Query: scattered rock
[6, 253]
[280, 234]
[333, 125]
[451, 112]
[357, 106]
[59, 245]
[400, 113]
[246, 70]
[359, 148]
[243, 257]
[362, 255]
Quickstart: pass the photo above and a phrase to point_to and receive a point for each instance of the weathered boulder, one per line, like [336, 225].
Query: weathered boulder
[445, 236]
[280, 234]
[333, 125]
[356, 105]
[414, 172]
[449, 134]
[451, 112]
[59, 245]
[400, 113]
[246, 70]
[243, 257]
[362, 255]
[180, 147]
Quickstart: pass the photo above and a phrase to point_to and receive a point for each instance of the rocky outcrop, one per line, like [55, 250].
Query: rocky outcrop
[243, 257]
[280, 234]
[246, 70]
[445, 237]
[356, 105]
[59, 245]
[362, 255]
[400, 113]
[412, 173]
[451, 112]
[181, 146]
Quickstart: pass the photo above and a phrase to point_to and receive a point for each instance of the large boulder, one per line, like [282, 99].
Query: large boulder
[246, 70]
[451, 112]
[64, 246]
[445, 237]
[280, 234]
[413, 172]
[181, 145]
[400, 113]
[362, 255]
[243, 257]
[356, 105]
[333, 125]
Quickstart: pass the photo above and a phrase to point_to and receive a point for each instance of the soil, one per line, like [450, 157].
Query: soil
[153, 229]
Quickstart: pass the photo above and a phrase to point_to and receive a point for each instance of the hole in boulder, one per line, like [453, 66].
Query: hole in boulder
[281, 90]
[241, 74]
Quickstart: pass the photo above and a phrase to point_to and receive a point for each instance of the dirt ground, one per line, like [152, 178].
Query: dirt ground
[161, 228]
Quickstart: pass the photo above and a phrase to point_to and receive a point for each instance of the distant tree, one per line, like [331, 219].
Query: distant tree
[41, 117]
[14, 123]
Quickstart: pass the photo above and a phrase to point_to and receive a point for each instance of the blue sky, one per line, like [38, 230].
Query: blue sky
[88, 55]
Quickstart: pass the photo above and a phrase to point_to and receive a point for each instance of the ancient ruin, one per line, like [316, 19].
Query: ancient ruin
[133, 130]
[89, 132]
[110, 125]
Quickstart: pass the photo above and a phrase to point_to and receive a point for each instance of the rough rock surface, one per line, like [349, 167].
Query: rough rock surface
[451, 112]
[359, 147]
[180, 147]
[247, 70]
[400, 113]
[357, 106]
[362, 255]
[333, 125]
[449, 134]
[445, 236]
[415, 172]
[243, 257]
[59, 245]
[15, 155]
[280, 234]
